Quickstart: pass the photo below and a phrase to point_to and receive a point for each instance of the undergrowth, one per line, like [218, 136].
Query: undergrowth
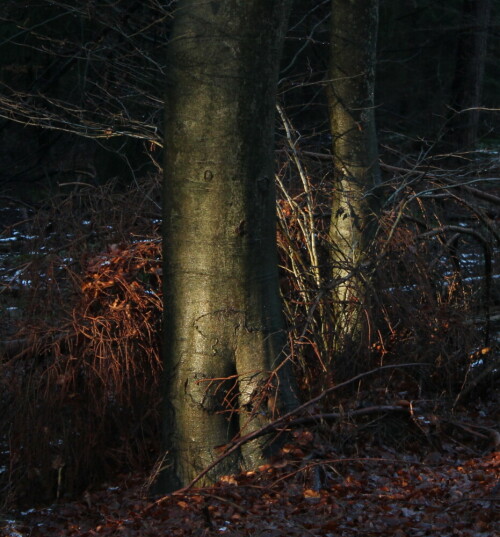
[80, 371]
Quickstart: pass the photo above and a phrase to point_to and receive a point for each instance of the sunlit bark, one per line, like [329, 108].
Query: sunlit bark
[222, 306]
[351, 105]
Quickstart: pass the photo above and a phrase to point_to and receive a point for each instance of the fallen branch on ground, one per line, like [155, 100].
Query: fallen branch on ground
[280, 423]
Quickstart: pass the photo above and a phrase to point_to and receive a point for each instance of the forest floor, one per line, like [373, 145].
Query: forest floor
[450, 488]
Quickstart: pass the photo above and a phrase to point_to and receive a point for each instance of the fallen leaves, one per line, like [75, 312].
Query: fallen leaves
[449, 489]
[372, 496]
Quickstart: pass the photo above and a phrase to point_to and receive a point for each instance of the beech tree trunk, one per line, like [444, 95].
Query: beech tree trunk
[352, 120]
[223, 325]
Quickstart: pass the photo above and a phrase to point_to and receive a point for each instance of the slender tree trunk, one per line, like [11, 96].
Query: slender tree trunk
[351, 107]
[222, 307]
[469, 72]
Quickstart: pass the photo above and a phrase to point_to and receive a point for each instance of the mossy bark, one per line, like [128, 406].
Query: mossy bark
[222, 307]
[351, 108]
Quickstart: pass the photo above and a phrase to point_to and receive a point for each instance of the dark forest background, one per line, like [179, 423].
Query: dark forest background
[95, 70]
[81, 96]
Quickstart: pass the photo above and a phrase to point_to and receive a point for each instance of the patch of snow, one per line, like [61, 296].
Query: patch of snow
[24, 513]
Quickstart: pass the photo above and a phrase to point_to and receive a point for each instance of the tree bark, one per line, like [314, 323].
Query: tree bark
[469, 72]
[222, 307]
[352, 120]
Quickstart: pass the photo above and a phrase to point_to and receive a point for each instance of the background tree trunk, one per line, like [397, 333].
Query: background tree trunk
[352, 119]
[469, 72]
[222, 307]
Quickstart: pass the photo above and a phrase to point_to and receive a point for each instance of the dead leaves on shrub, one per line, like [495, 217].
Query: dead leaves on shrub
[89, 393]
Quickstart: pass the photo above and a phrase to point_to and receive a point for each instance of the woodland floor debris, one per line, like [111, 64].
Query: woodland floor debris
[375, 495]
[310, 489]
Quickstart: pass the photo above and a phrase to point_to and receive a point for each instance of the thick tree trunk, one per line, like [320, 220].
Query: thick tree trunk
[351, 106]
[469, 72]
[222, 307]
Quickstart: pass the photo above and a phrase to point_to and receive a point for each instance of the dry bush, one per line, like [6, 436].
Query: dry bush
[436, 291]
[433, 295]
[81, 390]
